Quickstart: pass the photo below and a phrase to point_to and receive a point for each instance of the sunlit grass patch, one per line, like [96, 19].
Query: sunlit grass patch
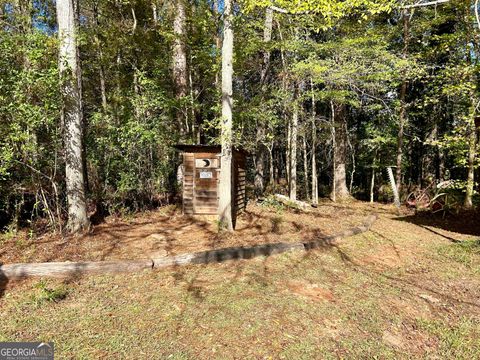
[466, 252]
[47, 293]
[457, 340]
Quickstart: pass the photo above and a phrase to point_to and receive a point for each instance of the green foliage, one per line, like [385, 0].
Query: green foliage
[349, 53]
[272, 203]
[46, 294]
[330, 10]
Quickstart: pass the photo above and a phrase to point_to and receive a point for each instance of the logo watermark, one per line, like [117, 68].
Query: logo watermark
[26, 351]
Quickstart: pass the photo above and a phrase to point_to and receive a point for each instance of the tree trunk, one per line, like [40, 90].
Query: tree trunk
[472, 144]
[403, 110]
[154, 13]
[218, 40]
[340, 189]
[372, 182]
[441, 164]
[180, 75]
[314, 148]
[288, 150]
[225, 187]
[401, 124]
[69, 69]
[260, 161]
[372, 185]
[314, 177]
[471, 129]
[270, 160]
[293, 149]
[305, 166]
[352, 174]
[429, 157]
[267, 37]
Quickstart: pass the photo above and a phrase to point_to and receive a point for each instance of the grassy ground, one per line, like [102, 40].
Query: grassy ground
[408, 288]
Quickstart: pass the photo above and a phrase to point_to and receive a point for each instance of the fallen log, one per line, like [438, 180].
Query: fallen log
[224, 254]
[74, 269]
[292, 203]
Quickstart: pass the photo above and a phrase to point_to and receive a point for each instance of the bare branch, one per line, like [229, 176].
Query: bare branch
[476, 13]
[284, 11]
[421, 4]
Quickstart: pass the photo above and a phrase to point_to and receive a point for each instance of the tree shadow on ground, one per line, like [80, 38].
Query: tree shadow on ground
[465, 222]
[3, 282]
[414, 287]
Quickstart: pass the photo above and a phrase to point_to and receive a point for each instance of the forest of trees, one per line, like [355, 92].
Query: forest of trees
[324, 95]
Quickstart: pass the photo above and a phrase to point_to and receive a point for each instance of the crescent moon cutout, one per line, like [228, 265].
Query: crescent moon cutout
[206, 163]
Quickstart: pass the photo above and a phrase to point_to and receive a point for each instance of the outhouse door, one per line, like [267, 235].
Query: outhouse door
[205, 189]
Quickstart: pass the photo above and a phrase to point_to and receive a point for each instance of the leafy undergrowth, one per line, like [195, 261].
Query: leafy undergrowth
[398, 291]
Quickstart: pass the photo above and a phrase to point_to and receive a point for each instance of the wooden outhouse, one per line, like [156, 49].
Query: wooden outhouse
[201, 177]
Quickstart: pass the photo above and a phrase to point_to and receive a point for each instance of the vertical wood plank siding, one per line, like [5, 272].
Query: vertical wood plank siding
[200, 196]
[188, 183]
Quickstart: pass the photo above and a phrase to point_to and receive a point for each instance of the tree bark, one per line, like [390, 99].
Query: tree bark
[401, 124]
[441, 164]
[403, 110]
[288, 150]
[218, 40]
[372, 182]
[372, 185]
[270, 160]
[305, 165]
[314, 148]
[180, 75]
[340, 189]
[267, 37]
[293, 149]
[471, 130]
[260, 161]
[472, 145]
[225, 187]
[154, 12]
[69, 68]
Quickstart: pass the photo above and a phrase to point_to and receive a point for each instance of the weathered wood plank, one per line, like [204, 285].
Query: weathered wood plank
[206, 199]
[207, 193]
[205, 210]
[72, 269]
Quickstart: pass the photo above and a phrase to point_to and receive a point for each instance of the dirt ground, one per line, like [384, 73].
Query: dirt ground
[409, 288]
[167, 232]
